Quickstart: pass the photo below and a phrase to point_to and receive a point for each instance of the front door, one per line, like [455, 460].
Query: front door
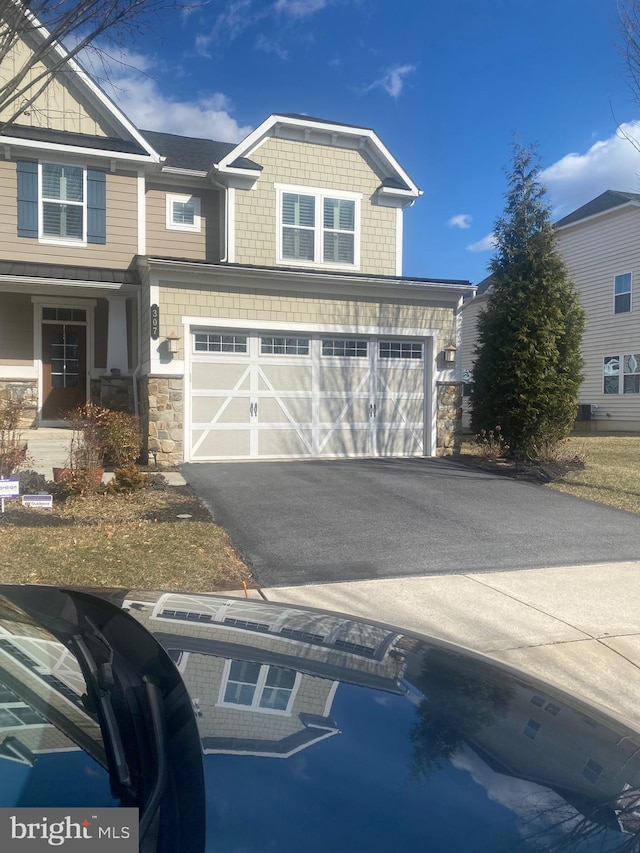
[64, 369]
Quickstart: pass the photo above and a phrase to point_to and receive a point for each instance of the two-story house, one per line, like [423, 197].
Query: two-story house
[246, 299]
[598, 243]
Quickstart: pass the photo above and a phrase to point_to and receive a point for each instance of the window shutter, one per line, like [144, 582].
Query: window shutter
[27, 199]
[96, 207]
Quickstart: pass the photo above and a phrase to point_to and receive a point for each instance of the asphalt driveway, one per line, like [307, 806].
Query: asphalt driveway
[324, 521]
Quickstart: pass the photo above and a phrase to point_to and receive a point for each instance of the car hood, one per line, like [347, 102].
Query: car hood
[320, 729]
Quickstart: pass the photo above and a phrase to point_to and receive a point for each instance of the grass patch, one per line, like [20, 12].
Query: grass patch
[612, 471]
[610, 474]
[135, 541]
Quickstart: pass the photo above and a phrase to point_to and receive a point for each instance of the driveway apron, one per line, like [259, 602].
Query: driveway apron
[325, 521]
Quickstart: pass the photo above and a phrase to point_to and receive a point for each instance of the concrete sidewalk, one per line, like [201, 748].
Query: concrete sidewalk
[577, 626]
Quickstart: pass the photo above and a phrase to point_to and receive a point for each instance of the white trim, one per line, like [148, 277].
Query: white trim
[50, 239]
[231, 225]
[291, 752]
[334, 132]
[319, 195]
[42, 32]
[18, 371]
[181, 198]
[73, 150]
[330, 697]
[259, 690]
[142, 212]
[620, 275]
[399, 239]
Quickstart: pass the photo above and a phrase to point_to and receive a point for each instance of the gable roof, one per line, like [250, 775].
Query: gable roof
[129, 141]
[394, 180]
[608, 200]
[189, 152]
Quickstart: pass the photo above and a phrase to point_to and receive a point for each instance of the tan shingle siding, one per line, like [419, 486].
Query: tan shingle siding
[167, 242]
[320, 166]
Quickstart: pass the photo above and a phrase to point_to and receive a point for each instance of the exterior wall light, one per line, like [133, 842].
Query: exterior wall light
[172, 342]
[449, 353]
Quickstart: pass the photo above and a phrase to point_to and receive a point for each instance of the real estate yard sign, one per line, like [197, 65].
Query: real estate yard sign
[9, 489]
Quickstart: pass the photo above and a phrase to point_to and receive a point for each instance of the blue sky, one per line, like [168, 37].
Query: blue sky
[444, 84]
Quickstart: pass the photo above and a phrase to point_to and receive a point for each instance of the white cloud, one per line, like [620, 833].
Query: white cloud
[148, 106]
[485, 245]
[393, 80]
[299, 8]
[461, 220]
[609, 164]
[270, 46]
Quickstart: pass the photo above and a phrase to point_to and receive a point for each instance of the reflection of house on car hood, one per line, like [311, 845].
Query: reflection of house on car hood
[263, 677]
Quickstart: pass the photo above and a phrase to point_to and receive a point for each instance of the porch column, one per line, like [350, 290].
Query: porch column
[117, 349]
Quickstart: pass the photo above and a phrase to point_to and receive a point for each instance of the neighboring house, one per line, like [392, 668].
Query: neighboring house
[247, 300]
[468, 339]
[599, 245]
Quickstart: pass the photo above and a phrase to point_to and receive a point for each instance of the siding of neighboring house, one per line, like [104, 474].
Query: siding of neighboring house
[172, 243]
[468, 341]
[16, 329]
[121, 218]
[59, 107]
[286, 161]
[595, 251]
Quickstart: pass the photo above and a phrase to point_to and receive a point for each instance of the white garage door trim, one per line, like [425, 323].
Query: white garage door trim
[314, 435]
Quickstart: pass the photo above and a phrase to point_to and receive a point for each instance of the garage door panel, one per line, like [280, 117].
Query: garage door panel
[346, 440]
[400, 442]
[340, 408]
[341, 377]
[402, 381]
[399, 409]
[218, 376]
[285, 442]
[224, 410]
[285, 377]
[284, 409]
[220, 444]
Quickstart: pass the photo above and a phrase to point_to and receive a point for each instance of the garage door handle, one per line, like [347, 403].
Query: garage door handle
[372, 410]
[253, 409]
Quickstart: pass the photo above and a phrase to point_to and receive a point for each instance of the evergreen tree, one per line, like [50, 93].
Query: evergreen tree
[528, 362]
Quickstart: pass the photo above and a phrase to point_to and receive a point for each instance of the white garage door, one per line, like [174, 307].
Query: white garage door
[274, 396]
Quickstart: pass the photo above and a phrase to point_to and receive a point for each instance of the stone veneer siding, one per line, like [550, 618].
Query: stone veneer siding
[162, 407]
[448, 418]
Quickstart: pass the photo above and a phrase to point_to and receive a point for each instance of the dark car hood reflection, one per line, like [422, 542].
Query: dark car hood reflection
[322, 730]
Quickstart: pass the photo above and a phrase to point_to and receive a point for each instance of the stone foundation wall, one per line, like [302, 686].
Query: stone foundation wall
[116, 392]
[162, 410]
[25, 390]
[448, 418]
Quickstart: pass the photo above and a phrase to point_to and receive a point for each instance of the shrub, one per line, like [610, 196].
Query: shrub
[491, 444]
[121, 436]
[32, 483]
[157, 481]
[13, 451]
[127, 479]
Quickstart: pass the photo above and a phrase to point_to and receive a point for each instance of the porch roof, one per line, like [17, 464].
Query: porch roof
[67, 272]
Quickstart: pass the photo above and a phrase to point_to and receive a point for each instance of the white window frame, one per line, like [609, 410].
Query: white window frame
[48, 238]
[319, 194]
[630, 291]
[259, 688]
[172, 198]
[621, 373]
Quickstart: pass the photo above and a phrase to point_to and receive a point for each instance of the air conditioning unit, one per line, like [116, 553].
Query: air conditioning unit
[584, 412]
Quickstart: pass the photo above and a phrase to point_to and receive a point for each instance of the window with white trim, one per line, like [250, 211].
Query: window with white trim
[183, 213]
[284, 346]
[400, 349]
[622, 293]
[211, 342]
[621, 374]
[318, 227]
[531, 729]
[258, 687]
[344, 348]
[62, 201]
